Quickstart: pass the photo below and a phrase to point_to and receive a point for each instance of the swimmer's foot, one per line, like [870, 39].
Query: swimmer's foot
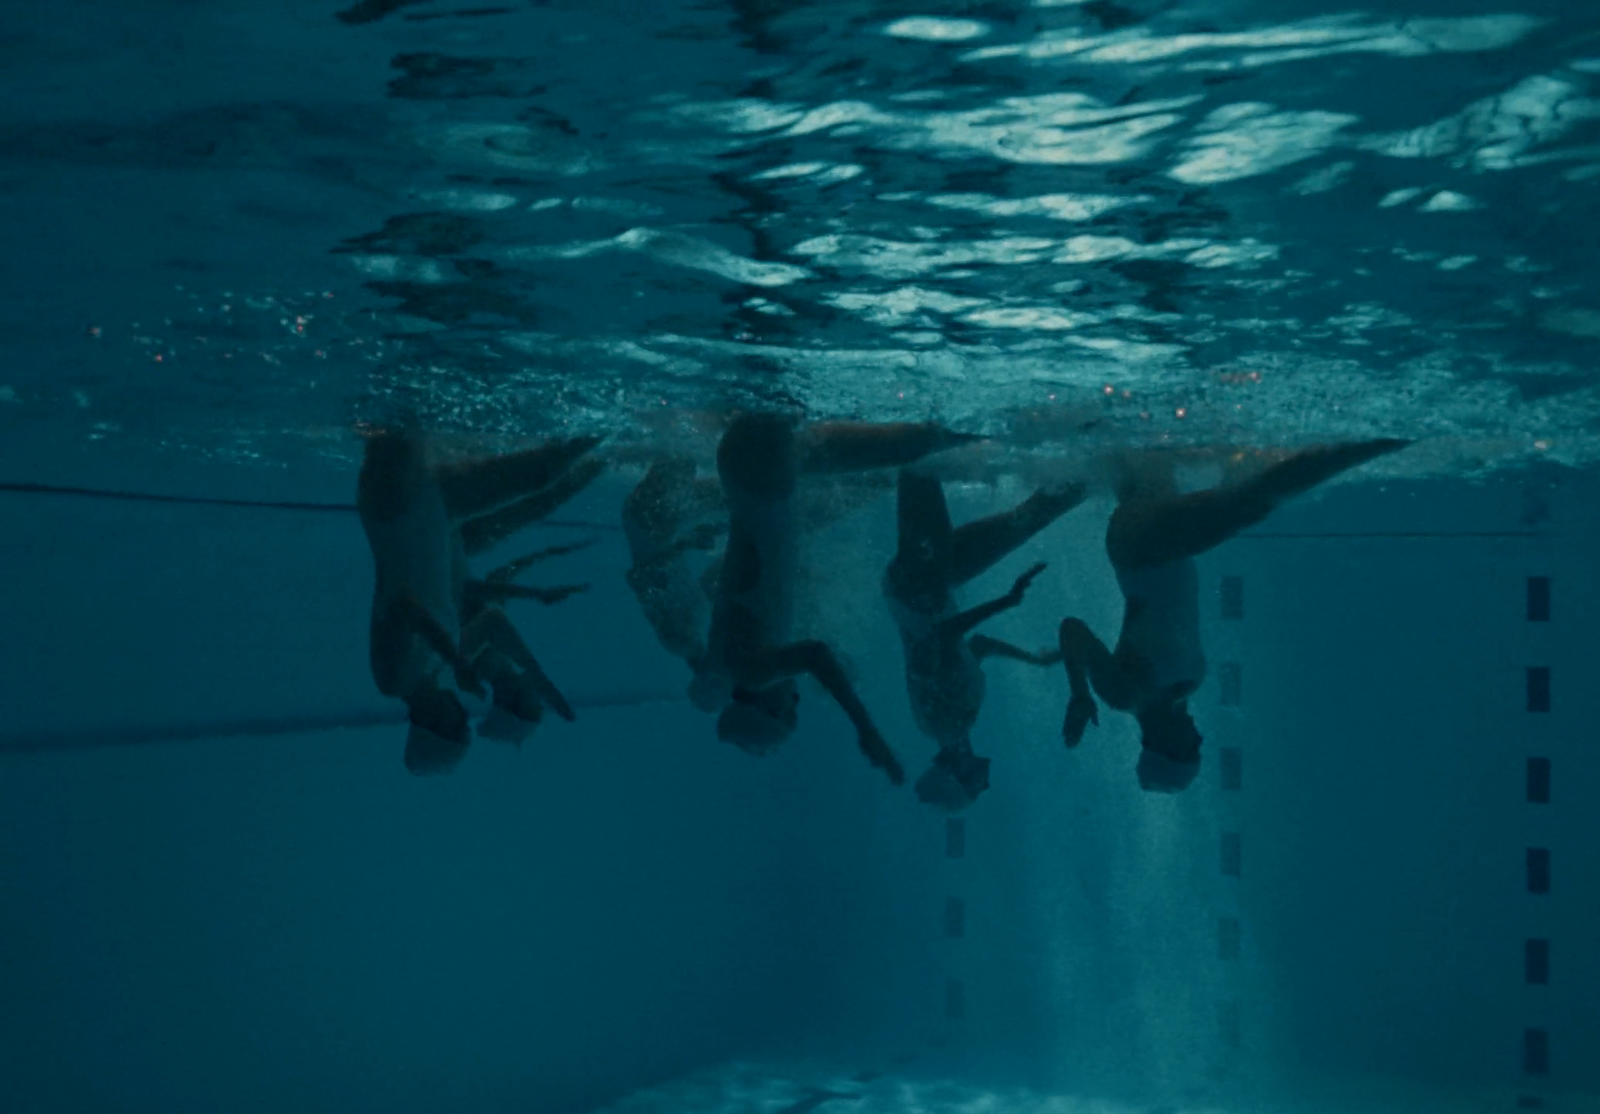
[1310, 467]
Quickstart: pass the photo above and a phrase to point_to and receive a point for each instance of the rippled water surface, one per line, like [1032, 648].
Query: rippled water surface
[238, 228]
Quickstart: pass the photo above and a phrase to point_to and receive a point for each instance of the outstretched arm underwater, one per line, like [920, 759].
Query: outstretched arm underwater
[817, 659]
[960, 625]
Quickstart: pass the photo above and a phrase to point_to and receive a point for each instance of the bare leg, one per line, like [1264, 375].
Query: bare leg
[921, 565]
[476, 487]
[858, 446]
[1153, 533]
[757, 456]
[486, 532]
[978, 545]
[393, 473]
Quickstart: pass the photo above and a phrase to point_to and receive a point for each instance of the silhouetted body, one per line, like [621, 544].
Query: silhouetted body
[434, 628]
[944, 677]
[751, 657]
[1152, 540]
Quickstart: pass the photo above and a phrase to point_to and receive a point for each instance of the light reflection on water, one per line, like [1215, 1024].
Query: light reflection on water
[1285, 224]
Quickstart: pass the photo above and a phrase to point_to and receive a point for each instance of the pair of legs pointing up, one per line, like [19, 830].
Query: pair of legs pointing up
[1152, 540]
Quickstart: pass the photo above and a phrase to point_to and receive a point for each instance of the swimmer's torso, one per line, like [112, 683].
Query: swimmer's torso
[1160, 644]
[416, 552]
[944, 681]
[755, 593]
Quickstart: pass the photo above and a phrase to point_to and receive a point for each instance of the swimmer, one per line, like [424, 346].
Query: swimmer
[750, 661]
[423, 519]
[944, 677]
[1153, 538]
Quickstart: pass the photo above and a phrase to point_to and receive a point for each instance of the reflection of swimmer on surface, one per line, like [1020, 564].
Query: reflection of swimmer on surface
[750, 662]
[1152, 540]
[435, 629]
[670, 513]
[944, 679]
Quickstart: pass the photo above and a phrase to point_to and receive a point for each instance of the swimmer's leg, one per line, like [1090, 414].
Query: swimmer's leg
[1153, 533]
[757, 456]
[921, 564]
[486, 531]
[858, 446]
[978, 545]
[477, 487]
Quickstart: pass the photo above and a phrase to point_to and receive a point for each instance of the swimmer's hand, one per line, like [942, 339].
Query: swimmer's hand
[1014, 597]
[876, 748]
[1081, 711]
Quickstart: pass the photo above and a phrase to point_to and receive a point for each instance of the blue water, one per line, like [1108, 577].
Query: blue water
[238, 233]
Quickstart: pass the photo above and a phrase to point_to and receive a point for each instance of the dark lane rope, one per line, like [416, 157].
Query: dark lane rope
[259, 504]
[96, 738]
[577, 524]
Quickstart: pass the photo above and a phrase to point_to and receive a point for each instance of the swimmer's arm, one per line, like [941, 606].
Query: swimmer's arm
[1086, 658]
[817, 659]
[959, 626]
[494, 629]
[1088, 661]
[514, 568]
[982, 646]
[422, 621]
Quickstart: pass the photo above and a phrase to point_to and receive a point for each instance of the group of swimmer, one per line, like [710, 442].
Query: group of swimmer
[438, 631]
